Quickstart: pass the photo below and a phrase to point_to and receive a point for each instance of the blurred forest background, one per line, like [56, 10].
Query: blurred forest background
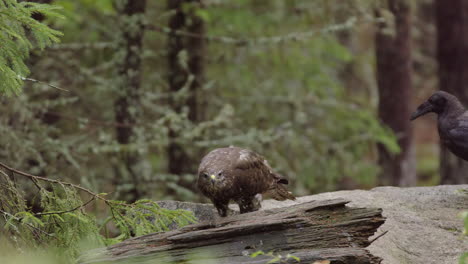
[322, 88]
[153, 86]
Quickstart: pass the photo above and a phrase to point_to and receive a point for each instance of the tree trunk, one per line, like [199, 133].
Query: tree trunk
[393, 53]
[324, 231]
[127, 104]
[452, 54]
[185, 60]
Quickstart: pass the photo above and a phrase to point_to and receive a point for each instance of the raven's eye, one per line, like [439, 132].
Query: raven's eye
[220, 173]
[205, 175]
[437, 100]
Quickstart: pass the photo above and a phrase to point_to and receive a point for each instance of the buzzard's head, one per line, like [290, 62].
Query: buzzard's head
[212, 180]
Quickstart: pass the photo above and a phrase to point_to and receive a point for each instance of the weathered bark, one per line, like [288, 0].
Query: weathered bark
[184, 75]
[316, 230]
[127, 103]
[452, 51]
[393, 54]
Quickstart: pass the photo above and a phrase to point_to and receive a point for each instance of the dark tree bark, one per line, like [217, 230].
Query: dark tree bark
[452, 54]
[188, 74]
[127, 104]
[393, 53]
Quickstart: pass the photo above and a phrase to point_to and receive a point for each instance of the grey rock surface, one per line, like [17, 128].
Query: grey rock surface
[203, 212]
[423, 223]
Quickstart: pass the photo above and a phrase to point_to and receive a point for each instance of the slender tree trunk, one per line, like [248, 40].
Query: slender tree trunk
[452, 54]
[127, 104]
[393, 52]
[185, 59]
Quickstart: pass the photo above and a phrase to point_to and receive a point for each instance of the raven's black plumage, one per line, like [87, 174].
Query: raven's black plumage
[452, 121]
[240, 175]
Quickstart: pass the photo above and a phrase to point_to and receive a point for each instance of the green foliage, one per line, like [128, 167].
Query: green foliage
[274, 82]
[19, 34]
[144, 217]
[68, 229]
[64, 226]
[463, 258]
[284, 99]
[289, 102]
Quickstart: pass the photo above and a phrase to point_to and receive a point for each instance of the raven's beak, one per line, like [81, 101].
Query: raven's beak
[213, 178]
[423, 109]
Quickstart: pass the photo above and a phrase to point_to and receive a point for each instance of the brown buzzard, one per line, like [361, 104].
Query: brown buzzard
[239, 175]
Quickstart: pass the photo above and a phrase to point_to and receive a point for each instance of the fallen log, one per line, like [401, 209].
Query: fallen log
[324, 231]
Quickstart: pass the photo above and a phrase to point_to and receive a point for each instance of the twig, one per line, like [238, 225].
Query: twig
[81, 46]
[36, 183]
[19, 221]
[209, 3]
[95, 195]
[53, 181]
[92, 121]
[67, 211]
[58, 212]
[379, 236]
[296, 36]
[37, 81]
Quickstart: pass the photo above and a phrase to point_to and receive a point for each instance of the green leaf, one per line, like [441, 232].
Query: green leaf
[293, 257]
[203, 14]
[257, 253]
[275, 259]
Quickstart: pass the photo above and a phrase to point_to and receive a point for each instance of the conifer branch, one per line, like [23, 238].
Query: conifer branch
[41, 82]
[25, 174]
[81, 46]
[17, 43]
[27, 224]
[94, 121]
[296, 36]
[67, 211]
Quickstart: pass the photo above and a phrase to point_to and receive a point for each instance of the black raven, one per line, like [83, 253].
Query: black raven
[452, 121]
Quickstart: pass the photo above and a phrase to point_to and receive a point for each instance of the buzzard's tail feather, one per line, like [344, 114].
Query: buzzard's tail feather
[280, 193]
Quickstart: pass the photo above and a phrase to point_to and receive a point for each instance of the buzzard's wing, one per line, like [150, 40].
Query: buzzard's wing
[251, 160]
[261, 177]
